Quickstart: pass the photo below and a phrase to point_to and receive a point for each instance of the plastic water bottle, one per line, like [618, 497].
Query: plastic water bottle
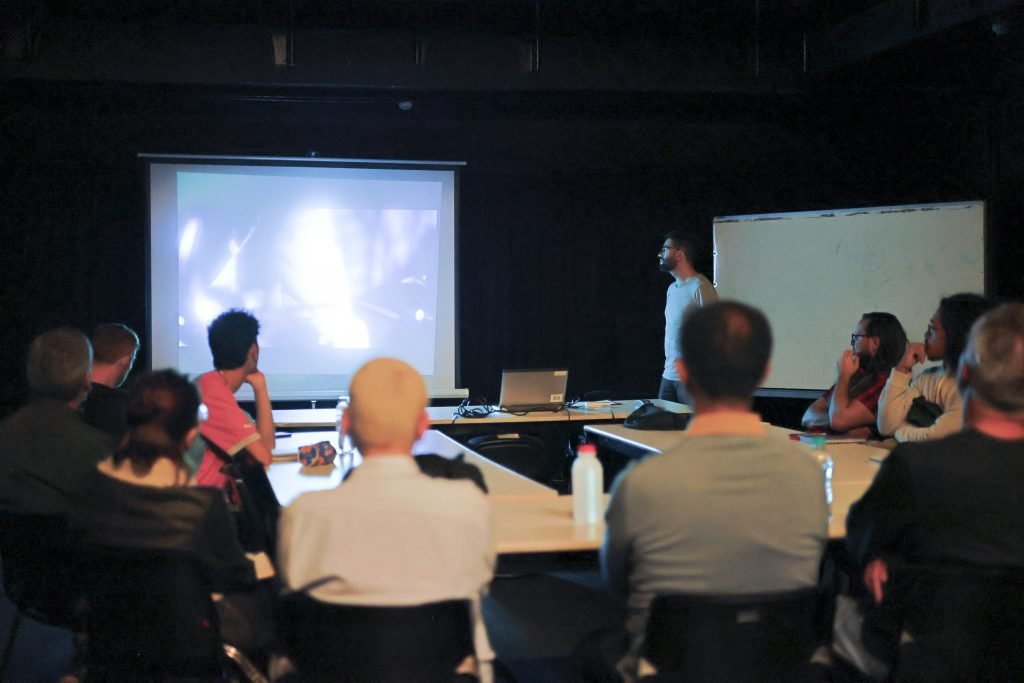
[344, 443]
[587, 486]
[825, 460]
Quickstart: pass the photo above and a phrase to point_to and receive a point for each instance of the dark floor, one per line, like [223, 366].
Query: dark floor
[41, 653]
[535, 621]
[535, 616]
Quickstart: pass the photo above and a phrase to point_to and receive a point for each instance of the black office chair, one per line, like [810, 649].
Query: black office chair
[522, 453]
[762, 637]
[957, 623]
[356, 643]
[39, 575]
[150, 616]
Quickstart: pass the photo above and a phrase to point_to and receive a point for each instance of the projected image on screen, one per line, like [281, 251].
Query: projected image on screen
[337, 266]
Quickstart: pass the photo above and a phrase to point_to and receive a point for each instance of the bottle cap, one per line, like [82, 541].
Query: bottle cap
[587, 449]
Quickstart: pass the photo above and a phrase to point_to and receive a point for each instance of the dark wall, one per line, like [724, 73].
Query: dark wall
[562, 203]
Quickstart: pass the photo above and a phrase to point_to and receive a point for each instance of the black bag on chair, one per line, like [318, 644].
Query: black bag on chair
[256, 509]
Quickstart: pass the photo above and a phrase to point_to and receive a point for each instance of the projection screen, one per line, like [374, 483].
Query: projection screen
[340, 260]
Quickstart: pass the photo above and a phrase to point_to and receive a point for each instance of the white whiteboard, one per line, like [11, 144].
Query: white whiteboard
[815, 273]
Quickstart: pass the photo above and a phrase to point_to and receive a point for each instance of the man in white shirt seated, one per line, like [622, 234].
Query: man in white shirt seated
[390, 535]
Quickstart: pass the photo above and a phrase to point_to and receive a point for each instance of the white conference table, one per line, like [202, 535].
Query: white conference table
[528, 517]
[853, 465]
[325, 418]
[290, 478]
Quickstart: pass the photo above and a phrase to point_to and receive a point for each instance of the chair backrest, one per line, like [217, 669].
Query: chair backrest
[39, 574]
[523, 453]
[423, 643]
[734, 637]
[963, 623]
[149, 616]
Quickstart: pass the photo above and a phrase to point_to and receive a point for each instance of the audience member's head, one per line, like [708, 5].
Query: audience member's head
[888, 341]
[59, 364]
[387, 407]
[725, 350]
[992, 364]
[956, 314]
[232, 335]
[162, 417]
[114, 347]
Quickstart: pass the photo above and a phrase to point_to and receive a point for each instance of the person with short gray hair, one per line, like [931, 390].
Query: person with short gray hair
[46, 450]
[992, 365]
[59, 365]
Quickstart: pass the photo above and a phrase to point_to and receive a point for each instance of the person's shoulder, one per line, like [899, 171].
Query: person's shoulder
[209, 382]
[206, 495]
[87, 437]
[450, 498]
[105, 391]
[935, 373]
[778, 446]
[14, 421]
[926, 455]
[952, 444]
[649, 469]
[313, 502]
[222, 406]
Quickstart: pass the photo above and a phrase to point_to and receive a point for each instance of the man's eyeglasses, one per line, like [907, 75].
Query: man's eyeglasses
[855, 337]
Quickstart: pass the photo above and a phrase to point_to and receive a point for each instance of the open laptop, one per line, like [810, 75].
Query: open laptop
[528, 390]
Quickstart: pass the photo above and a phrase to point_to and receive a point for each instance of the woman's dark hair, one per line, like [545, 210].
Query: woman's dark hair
[892, 340]
[892, 344]
[957, 313]
[162, 408]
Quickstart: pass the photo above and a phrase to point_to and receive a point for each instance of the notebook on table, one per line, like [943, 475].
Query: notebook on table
[524, 391]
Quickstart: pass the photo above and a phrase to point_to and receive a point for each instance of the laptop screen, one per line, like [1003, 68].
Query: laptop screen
[524, 390]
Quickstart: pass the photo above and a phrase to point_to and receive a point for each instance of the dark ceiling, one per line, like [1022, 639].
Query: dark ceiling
[740, 46]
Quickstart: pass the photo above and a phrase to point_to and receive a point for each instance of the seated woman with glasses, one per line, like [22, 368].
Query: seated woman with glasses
[141, 501]
[850, 406]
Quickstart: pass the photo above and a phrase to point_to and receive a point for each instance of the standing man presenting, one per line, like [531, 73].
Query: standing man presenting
[688, 289]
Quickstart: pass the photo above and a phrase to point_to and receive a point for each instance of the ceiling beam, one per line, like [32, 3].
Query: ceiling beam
[890, 25]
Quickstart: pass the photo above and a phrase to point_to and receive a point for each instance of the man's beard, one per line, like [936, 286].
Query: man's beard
[666, 265]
